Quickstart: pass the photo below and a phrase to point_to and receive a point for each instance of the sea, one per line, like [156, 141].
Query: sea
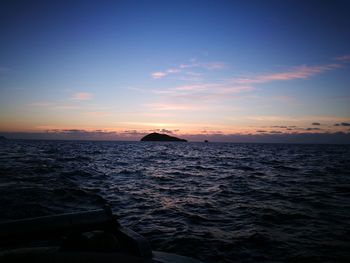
[217, 202]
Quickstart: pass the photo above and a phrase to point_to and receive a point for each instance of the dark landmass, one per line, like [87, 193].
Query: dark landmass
[2, 138]
[206, 141]
[158, 137]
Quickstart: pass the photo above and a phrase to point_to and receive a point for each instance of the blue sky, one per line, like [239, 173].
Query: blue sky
[192, 68]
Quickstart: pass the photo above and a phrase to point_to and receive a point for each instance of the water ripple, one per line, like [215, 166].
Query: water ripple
[217, 202]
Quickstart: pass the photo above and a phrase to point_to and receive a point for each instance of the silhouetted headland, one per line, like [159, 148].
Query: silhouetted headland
[158, 137]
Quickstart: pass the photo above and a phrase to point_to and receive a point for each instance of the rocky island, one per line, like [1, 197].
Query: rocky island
[158, 137]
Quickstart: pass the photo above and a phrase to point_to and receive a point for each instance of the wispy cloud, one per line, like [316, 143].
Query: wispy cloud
[214, 94]
[208, 65]
[205, 88]
[300, 72]
[296, 120]
[204, 96]
[343, 58]
[215, 136]
[158, 75]
[313, 129]
[82, 96]
[183, 68]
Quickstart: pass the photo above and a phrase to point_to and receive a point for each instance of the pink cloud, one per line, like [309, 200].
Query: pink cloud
[300, 72]
[161, 74]
[158, 75]
[82, 96]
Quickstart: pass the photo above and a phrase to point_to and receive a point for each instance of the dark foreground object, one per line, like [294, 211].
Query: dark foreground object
[94, 236]
[158, 137]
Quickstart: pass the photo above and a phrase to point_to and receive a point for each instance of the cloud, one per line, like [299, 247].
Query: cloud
[213, 136]
[216, 93]
[173, 70]
[164, 131]
[285, 119]
[343, 58]
[158, 75]
[275, 132]
[133, 133]
[300, 72]
[208, 65]
[313, 129]
[315, 123]
[191, 74]
[346, 124]
[304, 137]
[68, 130]
[203, 96]
[203, 92]
[82, 96]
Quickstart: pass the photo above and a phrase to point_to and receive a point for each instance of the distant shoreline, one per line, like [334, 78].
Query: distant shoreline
[164, 142]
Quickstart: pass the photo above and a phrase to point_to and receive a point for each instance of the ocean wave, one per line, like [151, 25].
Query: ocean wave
[216, 202]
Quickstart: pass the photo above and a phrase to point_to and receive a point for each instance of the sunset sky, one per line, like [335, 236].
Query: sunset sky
[223, 70]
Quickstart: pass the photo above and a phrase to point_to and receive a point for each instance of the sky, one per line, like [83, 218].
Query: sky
[255, 71]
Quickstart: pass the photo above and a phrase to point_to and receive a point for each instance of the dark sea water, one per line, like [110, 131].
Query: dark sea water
[216, 202]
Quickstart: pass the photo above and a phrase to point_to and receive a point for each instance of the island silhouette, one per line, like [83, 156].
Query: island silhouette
[159, 137]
